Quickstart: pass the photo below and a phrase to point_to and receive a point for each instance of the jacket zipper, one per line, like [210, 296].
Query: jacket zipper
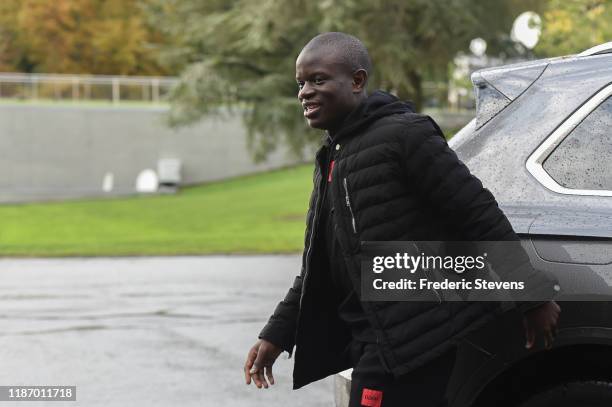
[438, 295]
[348, 205]
[433, 289]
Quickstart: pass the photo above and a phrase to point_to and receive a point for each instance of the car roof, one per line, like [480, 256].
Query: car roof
[538, 97]
[605, 48]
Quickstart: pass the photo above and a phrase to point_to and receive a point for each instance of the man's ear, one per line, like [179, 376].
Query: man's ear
[360, 78]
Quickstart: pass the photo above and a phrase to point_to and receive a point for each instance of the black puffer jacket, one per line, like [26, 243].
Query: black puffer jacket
[395, 179]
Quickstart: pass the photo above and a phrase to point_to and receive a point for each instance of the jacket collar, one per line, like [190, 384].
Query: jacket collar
[376, 105]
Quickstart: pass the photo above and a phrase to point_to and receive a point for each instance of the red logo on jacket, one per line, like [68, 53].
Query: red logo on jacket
[371, 398]
[331, 169]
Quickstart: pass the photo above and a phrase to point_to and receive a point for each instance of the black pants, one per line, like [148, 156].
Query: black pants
[371, 386]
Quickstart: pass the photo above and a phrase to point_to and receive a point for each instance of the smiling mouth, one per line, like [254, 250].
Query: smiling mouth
[311, 109]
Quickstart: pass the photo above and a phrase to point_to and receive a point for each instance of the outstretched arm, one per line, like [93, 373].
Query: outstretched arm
[441, 178]
[276, 336]
[280, 329]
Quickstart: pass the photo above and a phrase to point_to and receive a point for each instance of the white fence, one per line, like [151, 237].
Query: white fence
[58, 87]
[155, 89]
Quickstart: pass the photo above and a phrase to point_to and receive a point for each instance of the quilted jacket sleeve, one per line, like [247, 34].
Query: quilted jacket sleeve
[280, 329]
[447, 184]
[444, 181]
[281, 326]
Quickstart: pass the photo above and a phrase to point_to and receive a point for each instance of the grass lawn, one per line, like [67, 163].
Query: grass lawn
[254, 214]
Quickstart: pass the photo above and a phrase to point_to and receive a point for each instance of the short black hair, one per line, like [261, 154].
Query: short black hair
[351, 51]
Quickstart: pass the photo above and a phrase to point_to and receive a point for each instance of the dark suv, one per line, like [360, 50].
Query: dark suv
[542, 143]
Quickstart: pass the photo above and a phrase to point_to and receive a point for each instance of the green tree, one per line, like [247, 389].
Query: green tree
[242, 53]
[12, 55]
[85, 36]
[571, 26]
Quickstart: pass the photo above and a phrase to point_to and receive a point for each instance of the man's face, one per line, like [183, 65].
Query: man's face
[325, 88]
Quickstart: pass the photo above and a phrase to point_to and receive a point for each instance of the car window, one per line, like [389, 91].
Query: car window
[489, 102]
[583, 160]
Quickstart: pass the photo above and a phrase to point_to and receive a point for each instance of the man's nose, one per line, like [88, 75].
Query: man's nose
[306, 92]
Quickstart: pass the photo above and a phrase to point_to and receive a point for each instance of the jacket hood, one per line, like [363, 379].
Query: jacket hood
[378, 104]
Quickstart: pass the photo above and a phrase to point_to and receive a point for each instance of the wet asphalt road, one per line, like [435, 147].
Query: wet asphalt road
[145, 331]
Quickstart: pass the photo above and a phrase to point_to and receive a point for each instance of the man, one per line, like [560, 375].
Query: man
[384, 173]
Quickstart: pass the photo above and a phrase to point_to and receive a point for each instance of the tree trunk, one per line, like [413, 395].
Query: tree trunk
[417, 89]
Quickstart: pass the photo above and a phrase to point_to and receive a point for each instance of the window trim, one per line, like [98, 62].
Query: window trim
[536, 159]
[597, 50]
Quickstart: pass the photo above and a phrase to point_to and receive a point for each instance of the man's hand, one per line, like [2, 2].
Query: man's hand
[261, 357]
[542, 319]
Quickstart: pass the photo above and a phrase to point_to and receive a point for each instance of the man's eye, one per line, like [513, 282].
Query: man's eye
[318, 81]
[300, 85]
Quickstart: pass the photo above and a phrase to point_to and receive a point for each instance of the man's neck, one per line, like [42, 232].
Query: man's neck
[331, 132]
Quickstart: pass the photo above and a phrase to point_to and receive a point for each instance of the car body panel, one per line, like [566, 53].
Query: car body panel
[497, 152]
[568, 235]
